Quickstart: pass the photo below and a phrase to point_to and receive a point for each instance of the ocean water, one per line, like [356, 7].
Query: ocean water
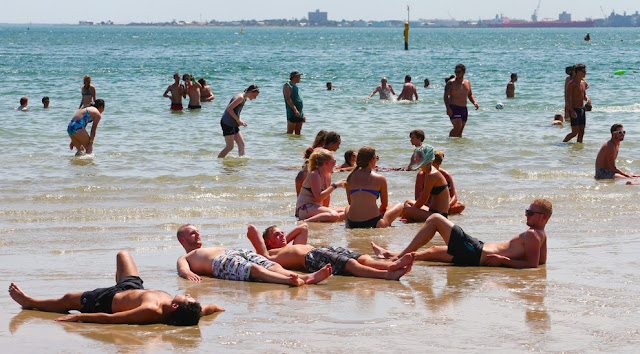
[62, 219]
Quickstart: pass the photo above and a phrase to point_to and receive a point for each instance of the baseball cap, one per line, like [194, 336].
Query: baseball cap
[294, 73]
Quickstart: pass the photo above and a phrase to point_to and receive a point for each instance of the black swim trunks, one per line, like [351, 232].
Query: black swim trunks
[580, 119]
[99, 300]
[229, 130]
[194, 106]
[367, 224]
[336, 256]
[466, 250]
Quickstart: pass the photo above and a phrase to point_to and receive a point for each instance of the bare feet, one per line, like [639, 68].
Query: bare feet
[318, 276]
[397, 274]
[20, 297]
[380, 252]
[295, 280]
[406, 260]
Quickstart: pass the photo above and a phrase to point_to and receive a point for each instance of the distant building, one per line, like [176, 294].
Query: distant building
[317, 18]
[564, 16]
[85, 23]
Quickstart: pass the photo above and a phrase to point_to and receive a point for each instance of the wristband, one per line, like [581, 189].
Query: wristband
[334, 186]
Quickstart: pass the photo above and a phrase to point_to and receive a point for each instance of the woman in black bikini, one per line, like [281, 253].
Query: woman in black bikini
[435, 190]
[364, 187]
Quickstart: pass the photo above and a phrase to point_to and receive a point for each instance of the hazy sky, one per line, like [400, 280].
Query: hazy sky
[126, 11]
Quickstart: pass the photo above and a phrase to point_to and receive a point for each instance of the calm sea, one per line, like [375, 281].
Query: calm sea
[62, 219]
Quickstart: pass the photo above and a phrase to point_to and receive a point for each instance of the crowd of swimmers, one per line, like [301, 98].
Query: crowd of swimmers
[279, 257]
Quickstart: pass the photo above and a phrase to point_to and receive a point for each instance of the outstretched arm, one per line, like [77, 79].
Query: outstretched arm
[139, 315]
[184, 270]
[210, 308]
[299, 234]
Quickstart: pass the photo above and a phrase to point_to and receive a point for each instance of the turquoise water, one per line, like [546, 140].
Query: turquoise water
[153, 170]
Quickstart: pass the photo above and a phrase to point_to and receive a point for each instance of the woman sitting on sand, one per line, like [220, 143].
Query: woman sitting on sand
[80, 139]
[315, 195]
[231, 122]
[434, 197]
[455, 207]
[364, 187]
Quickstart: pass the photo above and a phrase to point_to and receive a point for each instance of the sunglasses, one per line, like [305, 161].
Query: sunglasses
[458, 71]
[623, 132]
[529, 212]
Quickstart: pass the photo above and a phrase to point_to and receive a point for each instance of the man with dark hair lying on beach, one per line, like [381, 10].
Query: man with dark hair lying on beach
[341, 261]
[126, 302]
[525, 250]
[241, 265]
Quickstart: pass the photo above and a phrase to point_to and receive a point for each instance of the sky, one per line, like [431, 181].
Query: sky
[127, 11]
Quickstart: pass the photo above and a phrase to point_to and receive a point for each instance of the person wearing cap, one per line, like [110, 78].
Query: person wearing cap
[435, 190]
[293, 104]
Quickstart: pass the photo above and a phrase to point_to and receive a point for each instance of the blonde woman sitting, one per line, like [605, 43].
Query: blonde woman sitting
[315, 194]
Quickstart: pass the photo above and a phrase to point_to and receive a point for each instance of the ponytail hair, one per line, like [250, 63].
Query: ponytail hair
[319, 140]
[318, 158]
[365, 155]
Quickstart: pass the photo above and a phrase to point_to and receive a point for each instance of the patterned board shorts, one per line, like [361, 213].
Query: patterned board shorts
[236, 264]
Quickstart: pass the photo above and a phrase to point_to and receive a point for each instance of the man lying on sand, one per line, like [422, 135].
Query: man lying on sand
[341, 261]
[526, 250]
[126, 302]
[228, 264]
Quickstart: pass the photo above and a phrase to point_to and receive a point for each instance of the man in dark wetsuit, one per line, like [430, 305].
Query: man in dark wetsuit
[456, 92]
[341, 261]
[293, 104]
[126, 302]
[576, 94]
[525, 250]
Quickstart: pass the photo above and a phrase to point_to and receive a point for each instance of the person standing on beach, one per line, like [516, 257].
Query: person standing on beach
[88, 93]
[525, 250]
[193, 88]
[230, 121]
[576, 95]
[408, 90]
[177, 93]
[127, 302]
[511, 86]
[80, 139]
[606, 159]
[385, 90]
[456, 93]
[293, 104]
[240, 265]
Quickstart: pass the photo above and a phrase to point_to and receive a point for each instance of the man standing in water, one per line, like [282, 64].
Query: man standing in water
[126, 302]
[408, 90]
[606, 160]
[293, 104]
[385, 90]
[511, 86]
[177, 93]
[576, 95]
[525, 250]
[456, 93]
[192, 87]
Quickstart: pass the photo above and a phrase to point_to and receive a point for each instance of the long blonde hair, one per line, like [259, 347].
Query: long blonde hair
[365, 154]
[318, 158]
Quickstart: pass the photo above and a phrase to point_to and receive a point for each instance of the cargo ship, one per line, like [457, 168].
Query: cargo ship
[506, 22]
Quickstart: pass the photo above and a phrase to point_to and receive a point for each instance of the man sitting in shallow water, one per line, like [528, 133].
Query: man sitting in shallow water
[126, 302]
[341, 261]
[241, 265]
[606, 159]
[525, 250]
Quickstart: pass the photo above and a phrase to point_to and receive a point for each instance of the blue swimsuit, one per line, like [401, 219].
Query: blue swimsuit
[374, 192]
[81, 123]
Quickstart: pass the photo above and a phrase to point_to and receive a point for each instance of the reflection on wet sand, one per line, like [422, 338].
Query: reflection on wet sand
[147, 337]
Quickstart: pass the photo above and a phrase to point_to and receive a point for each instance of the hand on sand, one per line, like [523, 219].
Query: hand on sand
[68, 318]
[496, 260]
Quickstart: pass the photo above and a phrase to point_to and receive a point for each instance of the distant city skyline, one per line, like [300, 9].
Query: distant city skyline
[123, 12]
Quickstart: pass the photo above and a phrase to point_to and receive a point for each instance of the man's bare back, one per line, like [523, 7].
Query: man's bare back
[408, 92]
